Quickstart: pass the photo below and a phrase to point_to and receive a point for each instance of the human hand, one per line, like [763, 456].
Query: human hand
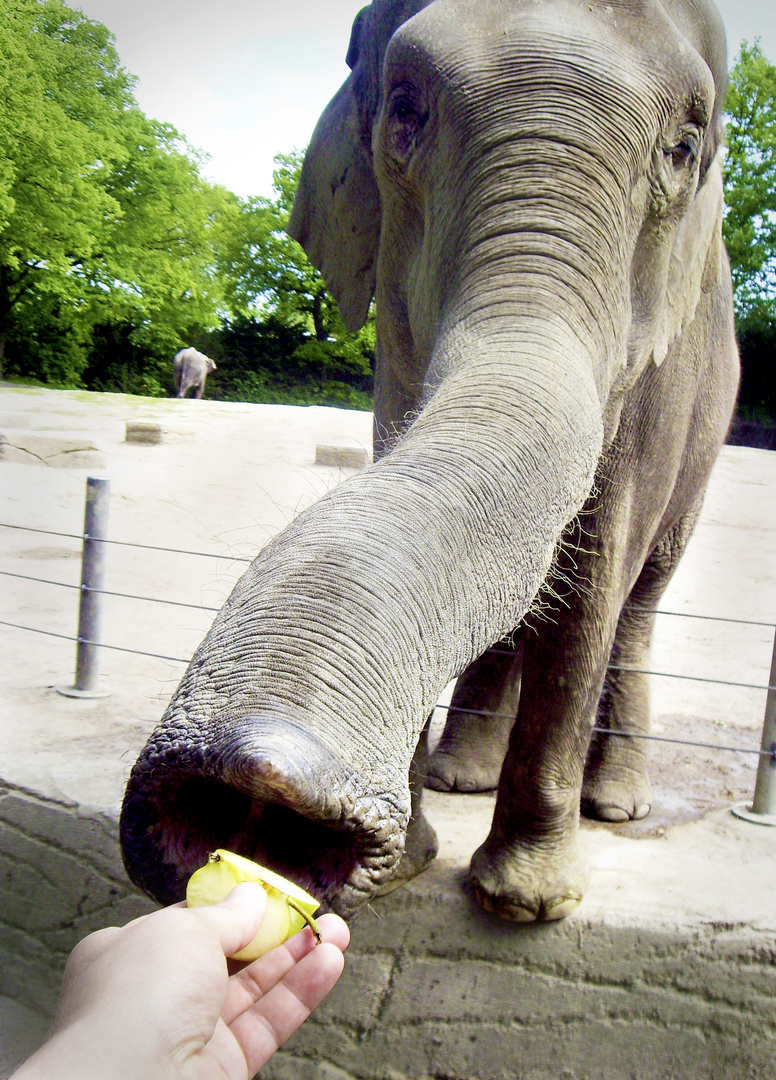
[154, 998]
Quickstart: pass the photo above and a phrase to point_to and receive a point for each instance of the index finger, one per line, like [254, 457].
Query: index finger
[275, 1017]
[253, 982]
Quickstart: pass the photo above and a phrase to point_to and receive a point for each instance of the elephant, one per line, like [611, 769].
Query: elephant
[190, 369]
[532, 191]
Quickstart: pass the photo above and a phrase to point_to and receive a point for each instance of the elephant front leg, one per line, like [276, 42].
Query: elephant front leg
[531, 866]
[471, 751]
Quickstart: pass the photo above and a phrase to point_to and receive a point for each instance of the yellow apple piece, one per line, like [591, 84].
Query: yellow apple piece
[289, 908]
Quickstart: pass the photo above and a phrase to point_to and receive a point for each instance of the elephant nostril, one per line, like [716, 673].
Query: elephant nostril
[287, 803]
[206, 814]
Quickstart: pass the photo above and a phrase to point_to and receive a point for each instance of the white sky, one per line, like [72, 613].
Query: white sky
[246, 79]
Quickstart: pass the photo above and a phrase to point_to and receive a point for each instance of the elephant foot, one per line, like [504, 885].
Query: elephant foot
[479, 770]
[471, 751]
[420, 849]
[616, 800]
[616, 787]
[523, 883]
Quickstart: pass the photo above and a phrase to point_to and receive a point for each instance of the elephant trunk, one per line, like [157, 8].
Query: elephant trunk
[291, 735]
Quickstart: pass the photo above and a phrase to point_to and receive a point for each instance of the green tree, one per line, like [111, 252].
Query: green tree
[104, 216]
[114, 250]
[272, 278]
[52, 147]
[749, 226]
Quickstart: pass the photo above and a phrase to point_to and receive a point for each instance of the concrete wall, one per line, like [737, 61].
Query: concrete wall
[60, 878]
[632, 987]
[435, 991]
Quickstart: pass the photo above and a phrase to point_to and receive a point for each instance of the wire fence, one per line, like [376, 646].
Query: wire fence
[128, 543]
[81, 640]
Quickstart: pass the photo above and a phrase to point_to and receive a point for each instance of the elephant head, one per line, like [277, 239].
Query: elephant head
[531, 190]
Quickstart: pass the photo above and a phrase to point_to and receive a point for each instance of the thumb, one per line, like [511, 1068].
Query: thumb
[236, 919]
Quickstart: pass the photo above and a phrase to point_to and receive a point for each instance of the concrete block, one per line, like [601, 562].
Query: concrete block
[37, 883]
[342, 457]
[53, 823]
[592, 1048]
[60, 879]
[288, 1067]
[29, 976]
[589, 1050]
[146, 432]
[153, 432]
[360, 1002]
[626, 987]
[434, 987]
[425, 989]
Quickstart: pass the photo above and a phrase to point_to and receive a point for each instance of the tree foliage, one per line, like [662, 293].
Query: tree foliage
[272, 279]
[749, 226]
[750, 180]
[104, 216]
[115, 251]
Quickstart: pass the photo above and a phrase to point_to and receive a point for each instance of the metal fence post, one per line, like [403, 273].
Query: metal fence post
[87, 664]
[763, 807]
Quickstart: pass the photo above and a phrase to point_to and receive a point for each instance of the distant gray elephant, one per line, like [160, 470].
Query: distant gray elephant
[533, 189]
[190, 369]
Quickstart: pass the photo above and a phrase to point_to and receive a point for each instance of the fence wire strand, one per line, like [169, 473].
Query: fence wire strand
[129, 543]
[110, 592]
[623, 734]
[99, 644]
[448, 708]
[691, 615]
[500, 652]
[247, 559]
[44, 532]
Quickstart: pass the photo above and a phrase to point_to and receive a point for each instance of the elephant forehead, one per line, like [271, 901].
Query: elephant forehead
[627, 45]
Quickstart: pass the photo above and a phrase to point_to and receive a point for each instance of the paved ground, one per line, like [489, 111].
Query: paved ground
[227, 477]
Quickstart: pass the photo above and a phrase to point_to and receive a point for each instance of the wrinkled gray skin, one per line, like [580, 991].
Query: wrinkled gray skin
[532, 189]
[190, 369]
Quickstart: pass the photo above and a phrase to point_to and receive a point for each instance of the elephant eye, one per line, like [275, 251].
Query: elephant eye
[680, 155]
[684, 153]
[404, 111]
[406, 118]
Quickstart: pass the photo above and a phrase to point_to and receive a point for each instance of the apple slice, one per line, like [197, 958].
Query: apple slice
[289, 908]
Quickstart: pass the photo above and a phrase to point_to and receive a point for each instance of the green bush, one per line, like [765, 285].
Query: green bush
[757, 344]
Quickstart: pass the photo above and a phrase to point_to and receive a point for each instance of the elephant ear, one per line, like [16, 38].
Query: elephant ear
[336, 214]
[695, 258]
